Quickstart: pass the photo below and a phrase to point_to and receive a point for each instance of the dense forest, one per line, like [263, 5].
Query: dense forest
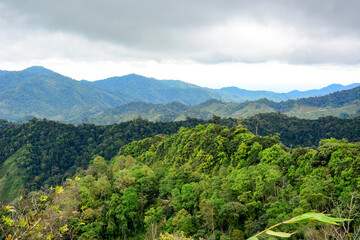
[295, 132]
[52, 151]
[210, 182]
[343, 104]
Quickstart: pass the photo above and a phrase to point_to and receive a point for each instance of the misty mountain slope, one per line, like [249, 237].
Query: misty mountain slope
[165, 91]
[240, 95]
[156, 91]
[342, 104]
[321, 92]
[43, 93]
[130, 111]
[40, 92]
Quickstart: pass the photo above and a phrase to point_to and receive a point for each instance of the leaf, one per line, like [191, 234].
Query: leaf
[253, 238]
[59, 190]
[9, 237]
[43, 198]
[51, 236]
[9, 208]
[8, 221]
[308, 217]
[55, 207]
[279, 234]
[77, 179]
[22, 222]
[64, 228]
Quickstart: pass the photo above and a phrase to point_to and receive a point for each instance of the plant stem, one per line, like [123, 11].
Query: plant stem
[268, 229]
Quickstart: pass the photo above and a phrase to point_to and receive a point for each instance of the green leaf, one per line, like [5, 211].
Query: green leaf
[55, 207]
[9, 208]
[64, 228]
[43, 198]
[51, 236]
[8, 221]
[308, 217]
[22, 222]
[279, 234]
[253, 238]
[59, 190]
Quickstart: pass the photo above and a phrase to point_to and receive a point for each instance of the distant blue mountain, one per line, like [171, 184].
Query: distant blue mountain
[156, 91]
[37, 70]
[37, 91]
[42, 93]
[321, 92]
[343, 104]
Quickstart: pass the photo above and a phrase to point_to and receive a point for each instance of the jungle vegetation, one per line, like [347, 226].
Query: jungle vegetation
[209, 182]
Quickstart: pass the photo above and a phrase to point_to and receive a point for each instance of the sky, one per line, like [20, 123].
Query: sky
[277, 45]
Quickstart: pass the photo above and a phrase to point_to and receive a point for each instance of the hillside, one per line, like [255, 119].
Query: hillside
[156, 91]
[174, 111]
[294, 132]
[52, 151]
[343, 104]
[42, 93]
[209, 182]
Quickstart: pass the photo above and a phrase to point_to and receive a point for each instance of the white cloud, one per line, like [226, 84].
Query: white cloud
[273, 45]
[274, 76]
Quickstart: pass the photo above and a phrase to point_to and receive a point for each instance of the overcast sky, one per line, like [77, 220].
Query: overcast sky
[273, 45]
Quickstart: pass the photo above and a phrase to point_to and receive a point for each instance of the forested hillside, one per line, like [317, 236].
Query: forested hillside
[42, 93]
[294, 132]
[211, 181]
[52, 151]
[155, 91]
[343, 104]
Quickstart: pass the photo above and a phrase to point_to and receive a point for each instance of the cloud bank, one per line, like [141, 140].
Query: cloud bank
[302, 32]
[209, 33]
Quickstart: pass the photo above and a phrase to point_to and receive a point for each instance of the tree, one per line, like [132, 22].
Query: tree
[32, 216]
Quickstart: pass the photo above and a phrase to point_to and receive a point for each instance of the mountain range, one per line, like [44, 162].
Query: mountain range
[343, 104]
[42, 93]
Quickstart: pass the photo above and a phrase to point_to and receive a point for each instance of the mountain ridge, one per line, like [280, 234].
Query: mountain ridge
[43, 93]
[343, 104]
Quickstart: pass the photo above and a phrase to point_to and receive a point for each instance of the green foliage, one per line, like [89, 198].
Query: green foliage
[51, 151]
[296, 132]
[214, 182]
[304, 218]
[36, 216]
